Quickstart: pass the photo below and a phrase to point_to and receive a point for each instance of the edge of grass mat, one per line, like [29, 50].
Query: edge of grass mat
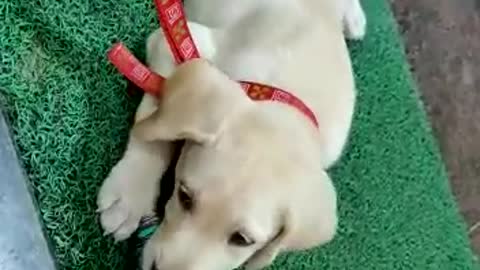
[70, 114]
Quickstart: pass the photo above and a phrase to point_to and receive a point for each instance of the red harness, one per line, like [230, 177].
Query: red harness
[174, 25]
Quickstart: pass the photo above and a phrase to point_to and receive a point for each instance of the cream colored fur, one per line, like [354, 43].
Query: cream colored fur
[258, 168]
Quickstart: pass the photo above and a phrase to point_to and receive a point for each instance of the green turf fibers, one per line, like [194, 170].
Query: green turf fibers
[70, 114]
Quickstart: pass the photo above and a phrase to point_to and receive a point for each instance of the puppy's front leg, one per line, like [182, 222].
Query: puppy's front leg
[132, 187]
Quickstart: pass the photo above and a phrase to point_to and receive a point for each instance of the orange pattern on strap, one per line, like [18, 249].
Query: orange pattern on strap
[175, 28]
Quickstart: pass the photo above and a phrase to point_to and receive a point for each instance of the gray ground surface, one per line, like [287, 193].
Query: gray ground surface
[22, 242]
[442, 39]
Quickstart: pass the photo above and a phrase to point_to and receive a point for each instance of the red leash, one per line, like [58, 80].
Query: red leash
[134, 70]
[172, 19]
[175, 28]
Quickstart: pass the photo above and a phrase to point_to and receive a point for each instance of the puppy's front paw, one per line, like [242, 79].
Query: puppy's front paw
[124, 198]
[355, 21]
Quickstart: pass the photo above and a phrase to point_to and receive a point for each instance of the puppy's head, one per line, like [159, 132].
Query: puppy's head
[244, 190]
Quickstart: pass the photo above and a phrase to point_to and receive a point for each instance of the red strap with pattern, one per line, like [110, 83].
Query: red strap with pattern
[262, 92]
[134, 70]
[174, 25]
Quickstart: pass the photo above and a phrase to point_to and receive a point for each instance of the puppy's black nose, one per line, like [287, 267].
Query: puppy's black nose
[154, 267]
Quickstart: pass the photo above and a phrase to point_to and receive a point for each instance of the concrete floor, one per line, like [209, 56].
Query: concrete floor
[442, 39]
[22, 241]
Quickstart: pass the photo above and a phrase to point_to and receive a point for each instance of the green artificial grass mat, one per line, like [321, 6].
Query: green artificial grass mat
[70, 113]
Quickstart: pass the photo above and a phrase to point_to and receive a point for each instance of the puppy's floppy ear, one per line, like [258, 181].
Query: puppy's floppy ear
[311, 220]
[314, 213]
[198, 101]
[265, 256]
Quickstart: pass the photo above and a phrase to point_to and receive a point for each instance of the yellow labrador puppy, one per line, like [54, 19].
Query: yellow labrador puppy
[251, 178]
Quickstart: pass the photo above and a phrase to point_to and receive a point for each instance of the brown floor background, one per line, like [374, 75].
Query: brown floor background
[442, 40]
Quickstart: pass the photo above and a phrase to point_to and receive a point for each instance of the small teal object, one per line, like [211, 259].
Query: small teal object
[145, 230]
[147, 227]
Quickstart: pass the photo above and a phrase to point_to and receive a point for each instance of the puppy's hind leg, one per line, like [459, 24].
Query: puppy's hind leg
[354, 20]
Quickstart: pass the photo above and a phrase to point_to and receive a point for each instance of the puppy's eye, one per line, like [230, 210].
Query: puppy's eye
[185, 198]
[239, 239]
